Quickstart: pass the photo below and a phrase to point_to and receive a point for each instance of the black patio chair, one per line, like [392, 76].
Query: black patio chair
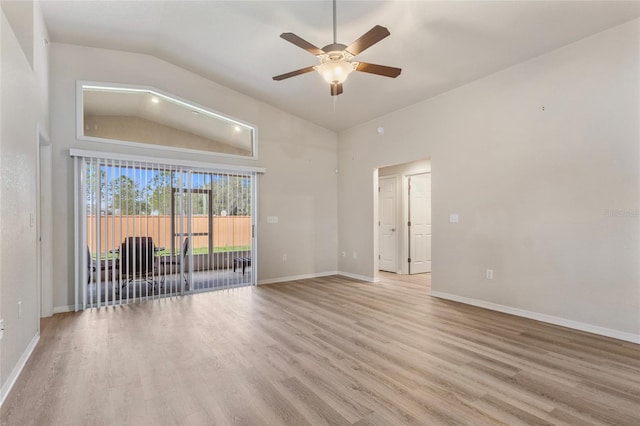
[137, 261]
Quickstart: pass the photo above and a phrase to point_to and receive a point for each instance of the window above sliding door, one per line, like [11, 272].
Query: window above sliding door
[138, 115]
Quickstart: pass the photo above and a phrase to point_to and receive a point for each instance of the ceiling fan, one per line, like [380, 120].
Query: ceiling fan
[336, 60]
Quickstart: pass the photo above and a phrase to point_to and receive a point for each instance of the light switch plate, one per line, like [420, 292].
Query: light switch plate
[272, 219]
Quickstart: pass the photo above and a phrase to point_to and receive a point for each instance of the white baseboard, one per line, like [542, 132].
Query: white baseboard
[15, 373]
[576, 325]
[61, 309]
[297, 277]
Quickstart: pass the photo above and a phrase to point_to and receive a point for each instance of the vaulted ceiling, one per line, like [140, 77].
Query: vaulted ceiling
[438, 45]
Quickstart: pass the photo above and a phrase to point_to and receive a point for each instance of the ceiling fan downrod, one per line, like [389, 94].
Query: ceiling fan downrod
[335, 27]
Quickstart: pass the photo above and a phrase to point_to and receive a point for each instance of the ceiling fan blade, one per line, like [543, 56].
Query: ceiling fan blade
[378, 69]
[336, 89]
[293, 73]
[370, 38]
[304, 44]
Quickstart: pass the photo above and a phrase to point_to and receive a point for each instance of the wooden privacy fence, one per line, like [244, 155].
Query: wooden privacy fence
[228, 231]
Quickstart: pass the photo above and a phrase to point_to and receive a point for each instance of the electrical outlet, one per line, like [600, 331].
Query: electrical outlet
[355, 255]
[284, 257]
[489, 274]
[19, 309]
[344, 254]
[454, 218]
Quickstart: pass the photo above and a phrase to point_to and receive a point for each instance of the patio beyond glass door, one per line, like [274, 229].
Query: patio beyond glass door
[212, 211]
[148, 231]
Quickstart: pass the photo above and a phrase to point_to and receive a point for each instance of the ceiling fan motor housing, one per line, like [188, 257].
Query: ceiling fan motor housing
[335, 47]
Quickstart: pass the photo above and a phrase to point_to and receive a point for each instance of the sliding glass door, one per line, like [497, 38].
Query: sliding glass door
[214, 212]
[154, 230]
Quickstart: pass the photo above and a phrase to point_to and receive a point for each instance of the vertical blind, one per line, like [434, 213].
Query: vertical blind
[147, 230]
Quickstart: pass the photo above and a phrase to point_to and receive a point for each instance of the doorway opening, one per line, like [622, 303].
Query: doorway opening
[404, 218]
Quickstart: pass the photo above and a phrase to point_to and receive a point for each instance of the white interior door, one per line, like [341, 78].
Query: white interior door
[387, 208]
[420, 228]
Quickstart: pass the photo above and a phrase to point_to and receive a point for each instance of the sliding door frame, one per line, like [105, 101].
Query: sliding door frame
[81, 257]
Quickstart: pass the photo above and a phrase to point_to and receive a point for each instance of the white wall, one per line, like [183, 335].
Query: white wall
[533, 188]
[22, 111]
[406, 169]
[299, 186]
[138, 129]
[20, 15]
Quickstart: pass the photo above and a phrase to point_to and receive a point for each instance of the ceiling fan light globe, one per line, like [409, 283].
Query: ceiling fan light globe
[335, 72]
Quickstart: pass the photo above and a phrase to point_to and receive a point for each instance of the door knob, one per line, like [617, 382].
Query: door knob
[393, 229]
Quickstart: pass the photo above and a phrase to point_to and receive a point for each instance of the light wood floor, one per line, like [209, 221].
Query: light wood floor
[321, 351]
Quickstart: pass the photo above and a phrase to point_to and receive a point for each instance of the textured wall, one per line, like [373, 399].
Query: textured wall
[299, 186]
[23, 112]
[547, 198]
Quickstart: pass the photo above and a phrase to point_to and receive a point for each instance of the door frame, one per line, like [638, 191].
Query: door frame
[403, 171]
[44, 224]
[405, 267]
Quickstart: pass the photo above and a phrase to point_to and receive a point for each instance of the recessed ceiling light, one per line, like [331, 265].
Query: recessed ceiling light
[155, 100]
[236, 129]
